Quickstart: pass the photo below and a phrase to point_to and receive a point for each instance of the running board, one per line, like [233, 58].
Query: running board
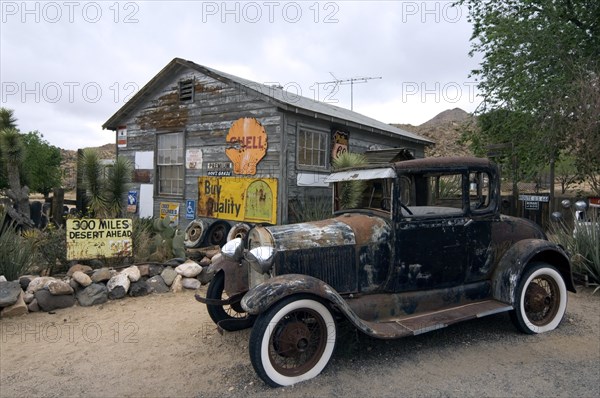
[413, 325]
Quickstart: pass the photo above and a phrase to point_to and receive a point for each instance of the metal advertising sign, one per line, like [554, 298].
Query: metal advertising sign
[238, 199]
[339, 145]
[218, 169]
[122, 136]
[193, 158]
[171, 210]
[534, 198]
[529, 205]
[247, 145]
[93, 238]
[132, 201]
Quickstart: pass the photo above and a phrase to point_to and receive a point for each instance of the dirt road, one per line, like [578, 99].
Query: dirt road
[166, 345]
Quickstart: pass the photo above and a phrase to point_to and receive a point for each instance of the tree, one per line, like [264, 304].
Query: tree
[106, 187]
[12, 154]
[566, 172]
[536, 54]
[42, 164]
[7, 121]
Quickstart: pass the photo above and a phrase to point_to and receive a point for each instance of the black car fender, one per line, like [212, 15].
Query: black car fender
[515, 260]
[236, 274]
[261, 297]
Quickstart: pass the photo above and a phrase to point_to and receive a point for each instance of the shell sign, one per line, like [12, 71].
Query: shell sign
[247, 145]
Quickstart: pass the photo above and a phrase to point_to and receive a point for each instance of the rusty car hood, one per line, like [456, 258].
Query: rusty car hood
[346, 229]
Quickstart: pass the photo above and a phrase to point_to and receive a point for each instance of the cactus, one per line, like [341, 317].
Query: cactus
[169, 241]
[178, 244]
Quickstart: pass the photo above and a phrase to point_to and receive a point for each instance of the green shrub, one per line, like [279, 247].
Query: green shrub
[142, 239]
[50, 249]
[16, 253]
[583, 246]
[312, 208]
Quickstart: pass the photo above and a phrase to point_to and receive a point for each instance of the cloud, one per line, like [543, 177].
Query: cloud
[65, 76]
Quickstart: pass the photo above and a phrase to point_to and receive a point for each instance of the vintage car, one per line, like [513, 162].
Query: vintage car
[424, 246]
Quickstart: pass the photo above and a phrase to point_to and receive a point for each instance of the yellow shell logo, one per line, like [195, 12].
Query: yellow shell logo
[246, 145]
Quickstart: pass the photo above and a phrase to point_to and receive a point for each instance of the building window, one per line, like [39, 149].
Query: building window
[312, 149]
[186, 91]
[170, 164]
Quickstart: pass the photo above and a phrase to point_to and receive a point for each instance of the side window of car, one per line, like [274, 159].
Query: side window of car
[435, 195]
[479, 192]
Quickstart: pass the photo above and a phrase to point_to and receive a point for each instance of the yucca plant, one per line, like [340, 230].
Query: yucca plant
[349, 192]
[583, 244]
[16, 253]
[311, 208]
[105, 191]
[119, 176]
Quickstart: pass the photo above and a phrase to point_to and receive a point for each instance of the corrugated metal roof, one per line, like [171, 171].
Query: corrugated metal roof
[282, 98]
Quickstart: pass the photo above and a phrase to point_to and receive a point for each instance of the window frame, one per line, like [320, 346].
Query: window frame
[326, 148]
[180, 165]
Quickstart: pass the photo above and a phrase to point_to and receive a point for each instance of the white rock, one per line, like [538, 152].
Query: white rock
[189, 269]
[38, 283]
[58, 288]
[176, 286]
[118, 280]
[28, 297]
[3, 278]
[82, 278]
[133, 273]
[191, 283]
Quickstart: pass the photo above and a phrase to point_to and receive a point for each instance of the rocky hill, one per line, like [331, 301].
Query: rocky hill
[69, 163]
[445, 129]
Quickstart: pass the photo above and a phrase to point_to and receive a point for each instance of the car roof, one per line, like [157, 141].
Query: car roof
[435, 163]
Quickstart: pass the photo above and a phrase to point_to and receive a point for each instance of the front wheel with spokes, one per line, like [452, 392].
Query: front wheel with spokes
[218, 313]
[292, 341]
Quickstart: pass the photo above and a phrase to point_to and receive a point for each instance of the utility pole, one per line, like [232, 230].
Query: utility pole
[351, 82]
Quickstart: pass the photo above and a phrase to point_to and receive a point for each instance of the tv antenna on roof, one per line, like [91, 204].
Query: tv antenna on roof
[351, 81]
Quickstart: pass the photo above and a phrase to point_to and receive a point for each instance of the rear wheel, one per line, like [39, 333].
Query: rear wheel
[541, 299]
[292, 341]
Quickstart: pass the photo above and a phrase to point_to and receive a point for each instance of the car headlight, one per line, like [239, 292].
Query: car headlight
[261, 258]
[234, 249]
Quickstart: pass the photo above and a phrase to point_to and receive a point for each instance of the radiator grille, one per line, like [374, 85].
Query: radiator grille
[335, 266]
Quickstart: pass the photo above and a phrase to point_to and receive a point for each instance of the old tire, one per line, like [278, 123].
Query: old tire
[217, 234]
[239, 230]
[540, 300]
[222, 312]
[194, 233]
[292, 341]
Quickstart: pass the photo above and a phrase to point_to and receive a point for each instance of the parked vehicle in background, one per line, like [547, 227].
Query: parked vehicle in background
[425, 247]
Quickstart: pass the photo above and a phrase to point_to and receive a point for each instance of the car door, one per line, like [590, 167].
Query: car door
[431, 244]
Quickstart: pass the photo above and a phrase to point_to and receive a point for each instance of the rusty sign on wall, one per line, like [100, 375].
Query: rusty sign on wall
[93, 238]
[238, 199]
[246, 145]
[169, 210]
[340, 143]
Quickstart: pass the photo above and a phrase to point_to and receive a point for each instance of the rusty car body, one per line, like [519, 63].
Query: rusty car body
[424, 246]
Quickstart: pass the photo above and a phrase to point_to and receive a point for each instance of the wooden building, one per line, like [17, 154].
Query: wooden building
[213, 146]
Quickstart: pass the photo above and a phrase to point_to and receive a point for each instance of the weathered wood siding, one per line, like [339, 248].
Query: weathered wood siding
[206, 122]
[360, 141]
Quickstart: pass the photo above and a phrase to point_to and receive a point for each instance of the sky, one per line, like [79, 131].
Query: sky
[67, 66]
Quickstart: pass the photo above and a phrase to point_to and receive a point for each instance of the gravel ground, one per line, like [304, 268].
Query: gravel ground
[166, 345]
